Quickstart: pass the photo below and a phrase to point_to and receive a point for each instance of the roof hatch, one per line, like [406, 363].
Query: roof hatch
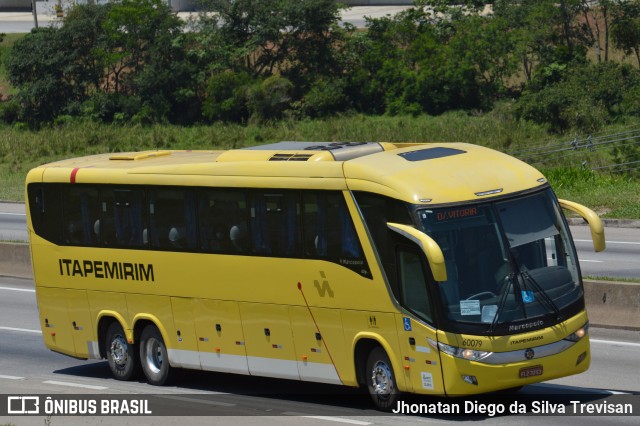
[430, 153]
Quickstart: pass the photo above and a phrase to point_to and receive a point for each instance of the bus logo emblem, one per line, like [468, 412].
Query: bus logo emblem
[529, 353]
[323, 288]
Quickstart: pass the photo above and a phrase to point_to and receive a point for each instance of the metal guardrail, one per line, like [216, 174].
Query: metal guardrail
[577, 149]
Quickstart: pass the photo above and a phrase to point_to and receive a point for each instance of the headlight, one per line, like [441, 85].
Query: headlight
[463, 353]
[578, 334]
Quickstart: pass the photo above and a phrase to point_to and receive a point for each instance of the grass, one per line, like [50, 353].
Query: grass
[611, 196]
[22, 149]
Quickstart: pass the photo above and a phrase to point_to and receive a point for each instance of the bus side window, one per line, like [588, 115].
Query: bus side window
[377, 210]
[275, 228]
[329, 231]
[45, 210]
[122, 221]
[172, 219]
[81, 210]
[223, 221]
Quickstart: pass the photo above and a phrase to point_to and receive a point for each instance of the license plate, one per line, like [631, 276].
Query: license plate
[536, 370]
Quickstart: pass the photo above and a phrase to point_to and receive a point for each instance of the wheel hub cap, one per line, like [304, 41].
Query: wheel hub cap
[381, 379]
[119, 351]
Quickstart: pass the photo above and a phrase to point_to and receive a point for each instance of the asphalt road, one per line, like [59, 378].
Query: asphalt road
[27, 367]
[13, 224]
[620, 259]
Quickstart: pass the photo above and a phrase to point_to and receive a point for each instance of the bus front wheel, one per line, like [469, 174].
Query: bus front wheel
[381, 380]
[154, 357]
[121, 355]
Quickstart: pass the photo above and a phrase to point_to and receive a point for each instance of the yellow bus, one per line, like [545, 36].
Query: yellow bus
[443, 269]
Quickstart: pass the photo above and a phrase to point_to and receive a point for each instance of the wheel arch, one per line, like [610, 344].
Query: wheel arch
[140, 321]
[105, 319]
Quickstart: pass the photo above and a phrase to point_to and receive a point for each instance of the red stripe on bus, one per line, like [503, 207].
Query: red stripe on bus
[74, 172]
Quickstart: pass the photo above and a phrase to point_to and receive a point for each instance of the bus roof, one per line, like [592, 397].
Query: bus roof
[421, 173]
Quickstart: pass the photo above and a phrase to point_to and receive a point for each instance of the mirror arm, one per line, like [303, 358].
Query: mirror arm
[430, 248]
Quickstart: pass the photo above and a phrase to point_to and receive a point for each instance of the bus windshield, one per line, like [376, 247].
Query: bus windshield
[508, 263]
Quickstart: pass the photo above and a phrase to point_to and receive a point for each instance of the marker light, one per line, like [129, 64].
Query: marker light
[578, 334]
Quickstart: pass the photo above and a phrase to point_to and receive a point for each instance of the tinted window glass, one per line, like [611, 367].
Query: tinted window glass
[81, 214]
[172, 219]
[124, 221]
[223, 221]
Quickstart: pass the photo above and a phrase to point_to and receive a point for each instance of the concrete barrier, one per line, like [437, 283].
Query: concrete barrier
[609, 304]
[613, 304]
[15, 260]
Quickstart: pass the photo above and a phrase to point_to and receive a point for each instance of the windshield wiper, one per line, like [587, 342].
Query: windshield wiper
[545, 297]
[503, 300]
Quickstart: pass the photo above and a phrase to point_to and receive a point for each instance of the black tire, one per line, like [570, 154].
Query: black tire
[121, 355]
[381, 380]
[154, 357]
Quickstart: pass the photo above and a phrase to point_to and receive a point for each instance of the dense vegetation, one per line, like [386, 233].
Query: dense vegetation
[257, 60]
[131, 75]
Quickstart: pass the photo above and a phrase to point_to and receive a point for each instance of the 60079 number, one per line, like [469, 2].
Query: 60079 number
[471, 343]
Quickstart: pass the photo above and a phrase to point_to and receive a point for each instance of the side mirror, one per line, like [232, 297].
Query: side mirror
[595, 224]
[430, 248]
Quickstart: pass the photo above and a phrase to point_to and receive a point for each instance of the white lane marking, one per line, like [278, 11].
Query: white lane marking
[21, 330]
[11, 377]
[592, 261]
[75, 385]
[13, 214]
[196, 400]
[614, 342]
[28, 290]
[611, 242]
[327, 418]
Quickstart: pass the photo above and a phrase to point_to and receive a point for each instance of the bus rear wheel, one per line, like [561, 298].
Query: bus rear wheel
[381, 380]
[154, 357]
[121, 355]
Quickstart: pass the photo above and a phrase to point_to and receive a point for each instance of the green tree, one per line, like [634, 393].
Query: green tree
[294, 38]
[625, 31]
[145, 52]
[54, 69]
[582, 98]
[597, 24]
[227, 95]
[138, 33]
[36, 68]
[418, 61]
[268, 99]
[543, 32]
